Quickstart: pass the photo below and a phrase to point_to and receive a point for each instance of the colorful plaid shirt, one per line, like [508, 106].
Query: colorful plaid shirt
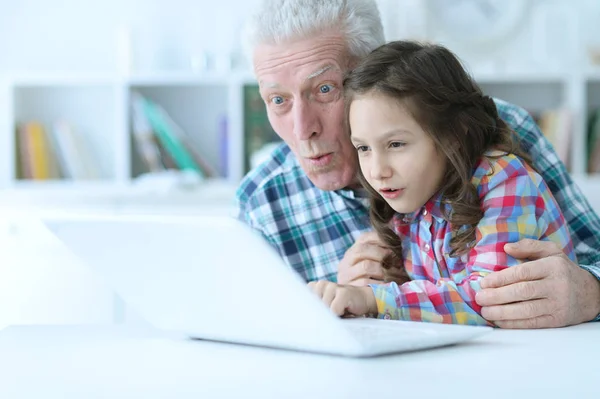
[312, 229]
[516, 204]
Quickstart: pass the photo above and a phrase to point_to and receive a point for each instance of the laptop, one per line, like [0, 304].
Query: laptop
[214, 278]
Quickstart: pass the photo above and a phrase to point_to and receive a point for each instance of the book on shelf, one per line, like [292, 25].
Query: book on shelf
[223, 145]
[55, 152]
[258, 133]
[145, 140]
[593, 142]
[78, 159]
[162, 143]
[557, 127]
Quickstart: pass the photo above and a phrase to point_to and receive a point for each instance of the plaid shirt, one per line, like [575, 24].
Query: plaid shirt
[312, 229]
[516, 204]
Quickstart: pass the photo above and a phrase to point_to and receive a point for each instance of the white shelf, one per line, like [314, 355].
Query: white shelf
[43, 80]
[173, 78]
[593, 75]
[197, 100]
[235, 78]
[63, 185]
[529, 77]
[212, 193]
[176, 79]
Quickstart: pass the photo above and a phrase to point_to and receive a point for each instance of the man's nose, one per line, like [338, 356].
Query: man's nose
[306, 121]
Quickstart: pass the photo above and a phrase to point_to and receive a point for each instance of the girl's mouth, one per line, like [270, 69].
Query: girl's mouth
[391, 193]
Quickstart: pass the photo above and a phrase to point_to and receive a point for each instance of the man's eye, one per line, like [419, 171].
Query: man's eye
[277, 100]
[325, 89]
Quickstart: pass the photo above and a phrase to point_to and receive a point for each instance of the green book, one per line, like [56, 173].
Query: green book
[168, 139]
[257, 128]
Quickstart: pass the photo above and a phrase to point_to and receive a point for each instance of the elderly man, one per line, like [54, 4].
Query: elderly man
[305, 200]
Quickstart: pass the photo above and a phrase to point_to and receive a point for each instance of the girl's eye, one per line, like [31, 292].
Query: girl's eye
[325, 89]
[362, 148]
[397, 144]
[277, 100]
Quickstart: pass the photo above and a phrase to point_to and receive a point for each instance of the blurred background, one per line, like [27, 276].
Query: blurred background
[149, 106]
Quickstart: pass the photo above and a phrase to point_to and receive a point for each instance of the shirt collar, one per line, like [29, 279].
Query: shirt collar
[432, 208]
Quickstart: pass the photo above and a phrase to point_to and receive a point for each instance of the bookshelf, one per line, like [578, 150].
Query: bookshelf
[99, 107]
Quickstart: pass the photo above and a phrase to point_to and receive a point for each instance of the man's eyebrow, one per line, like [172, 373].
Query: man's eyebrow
[269, 85]
[319, 71]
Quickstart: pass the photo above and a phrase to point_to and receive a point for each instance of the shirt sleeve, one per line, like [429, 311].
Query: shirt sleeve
[515, 207]
[594, 270]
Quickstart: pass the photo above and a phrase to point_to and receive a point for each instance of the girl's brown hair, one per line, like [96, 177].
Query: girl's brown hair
[431, 83]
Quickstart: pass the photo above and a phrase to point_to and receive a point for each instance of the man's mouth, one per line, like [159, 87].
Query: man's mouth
[321, 160]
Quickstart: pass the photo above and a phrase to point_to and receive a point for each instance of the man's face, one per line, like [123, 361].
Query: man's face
[301, 84]
[397, 157]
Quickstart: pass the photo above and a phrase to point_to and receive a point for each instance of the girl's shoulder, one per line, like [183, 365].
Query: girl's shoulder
[496, 167]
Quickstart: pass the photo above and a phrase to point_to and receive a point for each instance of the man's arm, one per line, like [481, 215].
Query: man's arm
[568, 290]
[548, 291]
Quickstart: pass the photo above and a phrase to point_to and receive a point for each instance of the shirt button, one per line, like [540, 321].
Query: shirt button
[425, 212]
[426, 247]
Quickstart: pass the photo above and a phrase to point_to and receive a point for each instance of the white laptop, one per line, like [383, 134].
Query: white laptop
[214, 278]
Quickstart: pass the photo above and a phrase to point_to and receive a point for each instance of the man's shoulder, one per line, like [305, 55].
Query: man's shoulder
[509, 110]
[527, 132]
[511, 113]
[279, 170]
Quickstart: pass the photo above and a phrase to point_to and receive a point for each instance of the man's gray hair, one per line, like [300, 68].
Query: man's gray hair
[282, 21]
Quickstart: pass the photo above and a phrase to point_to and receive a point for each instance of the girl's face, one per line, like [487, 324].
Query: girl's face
[397, 157]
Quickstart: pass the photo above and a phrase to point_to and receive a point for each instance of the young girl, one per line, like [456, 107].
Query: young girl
[448, 187]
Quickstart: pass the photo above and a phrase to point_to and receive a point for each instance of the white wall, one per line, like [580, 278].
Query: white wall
[81, 35]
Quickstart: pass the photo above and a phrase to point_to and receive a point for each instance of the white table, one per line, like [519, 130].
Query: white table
[123, 362]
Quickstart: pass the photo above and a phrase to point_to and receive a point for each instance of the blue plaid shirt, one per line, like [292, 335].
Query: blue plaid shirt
[312, 229]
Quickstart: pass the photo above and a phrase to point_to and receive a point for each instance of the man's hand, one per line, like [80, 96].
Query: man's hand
[361, 264]
[548, 291]
[345, 300]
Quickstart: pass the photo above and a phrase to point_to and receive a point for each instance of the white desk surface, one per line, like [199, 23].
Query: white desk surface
[126, 362]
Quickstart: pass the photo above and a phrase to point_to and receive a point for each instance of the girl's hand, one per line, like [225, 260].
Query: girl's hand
[361, 264]
[345, 300]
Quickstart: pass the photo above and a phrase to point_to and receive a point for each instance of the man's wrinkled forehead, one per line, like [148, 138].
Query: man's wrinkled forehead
[317, 72]
[300, 60]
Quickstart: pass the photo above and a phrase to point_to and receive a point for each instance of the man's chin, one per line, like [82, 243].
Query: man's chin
[329, 180]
